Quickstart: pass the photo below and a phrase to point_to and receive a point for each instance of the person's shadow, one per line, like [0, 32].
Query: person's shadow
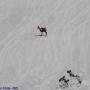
[40, 35]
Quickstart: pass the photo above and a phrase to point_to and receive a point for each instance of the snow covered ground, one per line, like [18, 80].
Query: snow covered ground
[36, 63]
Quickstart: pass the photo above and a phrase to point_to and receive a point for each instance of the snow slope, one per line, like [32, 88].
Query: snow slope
[36, 63]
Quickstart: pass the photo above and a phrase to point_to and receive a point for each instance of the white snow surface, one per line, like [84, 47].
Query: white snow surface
[32, 62]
